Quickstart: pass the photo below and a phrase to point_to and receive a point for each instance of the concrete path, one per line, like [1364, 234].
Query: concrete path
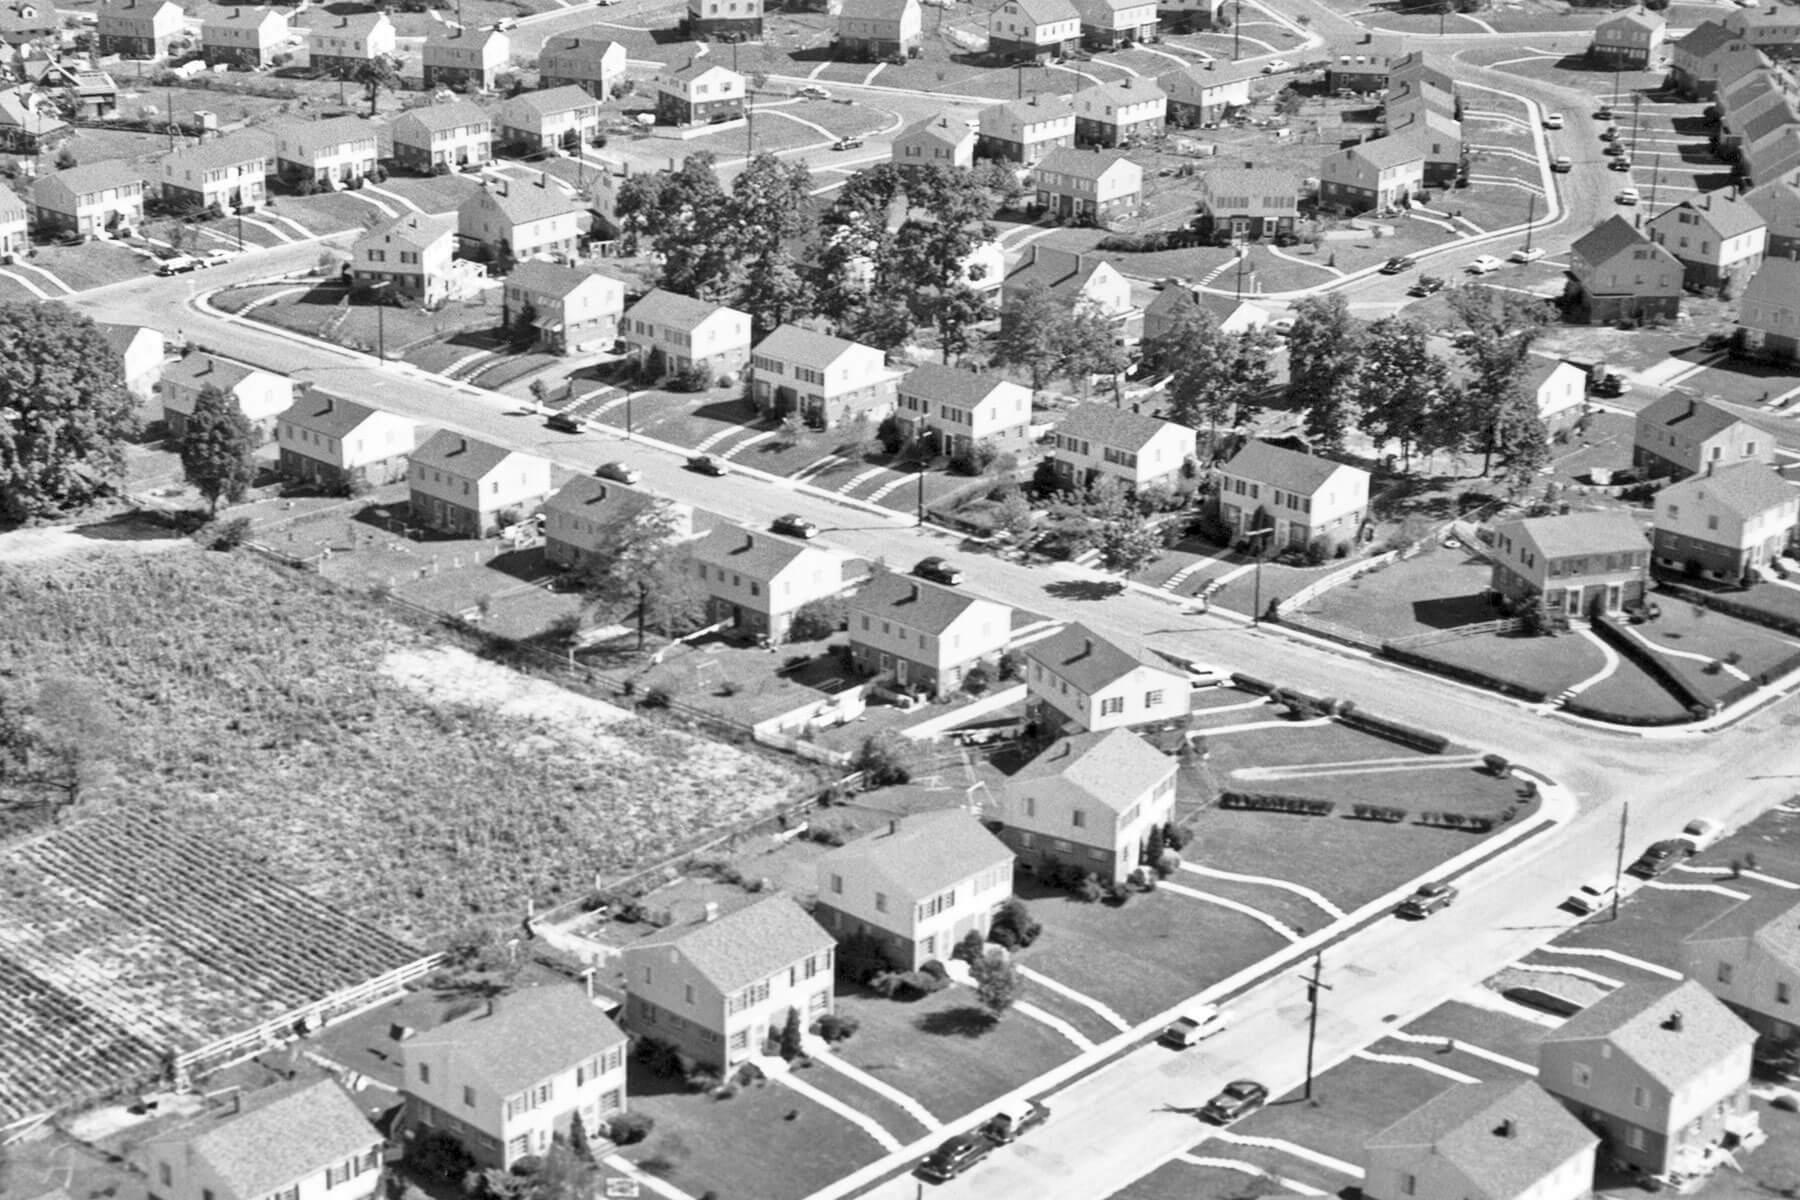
[44, 274]
[1605, 981]
[1615, 956]
[1264, 881]
[1105, 1012]
[1405, 1060]
[1297, 1151]
[861, 1120]
[1233, 1164]
[1071, 1034]
[1478, 1051]
[1756, 875]
[1612, 662]
[821, 1053]
[27, 284]
[1316, 721]
[1254, 914]
[1715, 889]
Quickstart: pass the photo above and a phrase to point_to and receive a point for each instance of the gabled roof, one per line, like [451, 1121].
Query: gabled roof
[461, 455]
[747, 945]
[1119, 428]
[1770, 120]
[520, 202]
[553, 279]
[11, 205]
[437, 118]
[937, 129]
[1112, 769]
[200, 369]
[328, 414]
[875, 10]
[583, 43]
[954, 386]
[16, 114]
[601, 500]
[1636, 18]
[96, 176]
[672, 308]
[547, 102]
[276, 1141]
[1777, 282]
[1084, 658]
[357, 25]
[1726, 212]
[225, 16]
[420, 229]
[1252, 180]
[1754, 86]
[1084, 164]
[1045, 12]
[1605, 532]
[1053, 270]
[1032, 110]
[1503, 1137]
[914, 603]
[761, 556]
[529, 1036]
[119, 337]
[695, 69]
[1610, 238]
[1691, 416]
[1770, 921]
[1098, 8]
[235, 150]
[1289, 470]
[1188, 83]
[1672, 1030]
[796, 343]
[922, 854]
[1122, 93]
[1706, 38]
[1382, 153]
[334, 131]
[1744, 489]
[1541, 369]
[1779, 203]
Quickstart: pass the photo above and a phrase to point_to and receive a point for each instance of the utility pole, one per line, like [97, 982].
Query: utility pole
[1637, 104]
[1618, 64]
[1530, 216]
[921, 494]
[1619, 863]
[1313, 987]
[1655, 177]
[1256, 601]
[1237, 24]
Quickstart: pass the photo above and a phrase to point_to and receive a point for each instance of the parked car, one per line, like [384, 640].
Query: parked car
[938, 571]
[1282, 326]
[1622, 163]
[567, 422]
[1626, 196]
[813, 91]
[1240, 1098]
[1701, 833]
[1562, 164]
[1193, 1027]
[1015, 1119]
[1660, 858]
[1430, 898]
[1427, 285]
[1553, 121]
[1200, 674]
[1603, 113]
[847, 143]
[1610, 134]
[795, 525]
[1276, 64]
[956, 1156]
[1590, 898]
[1523, 255]
[1614, 149]
[1610, 384]
[1397, 264]
[706, 464]
[618, 472]
[214, 258]
[1485, 263]
[181, 264]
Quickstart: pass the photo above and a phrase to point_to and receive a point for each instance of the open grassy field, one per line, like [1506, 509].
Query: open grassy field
[277, 713]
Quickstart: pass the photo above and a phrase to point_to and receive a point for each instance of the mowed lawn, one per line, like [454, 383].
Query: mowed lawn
[1652, 923]
[1440, 589]
[1500, 1032]
[1356, 1098]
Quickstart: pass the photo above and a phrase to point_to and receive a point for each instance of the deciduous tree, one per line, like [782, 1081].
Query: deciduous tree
[1030, 324]
[687, 218]
[218, 447]
[997, 983]
[377, 74]
[638, 561]
[1500, 417]
[1404, 390]
[1322, 365]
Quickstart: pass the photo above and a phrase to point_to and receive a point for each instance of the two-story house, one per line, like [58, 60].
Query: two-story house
[469, 488]
[1717, 237]
[1377, 175]
[963, 409]
[742, 19]
[511, 221]
[917, 886]
[1631, 40]
[328, 440]
[1507, 1140]
[1773, 155]
[413, 254]
[1726, 523]
[701, 93]
[1088, 801]
[1708, 55]
[935, 142]
[1361, 66]
[1779, 204]
[137, 349]
[583, 519]
[875, 29]
[507, 1079]
[1033, 30]
[1116, 24]
[1559, 388]
[338, 47]
[757, 581]
[1679, 435]
[1135, 449]
[1437, 136]
[559, 118]
[1074, 280]
[262, 396]
[1175, 305]
[1578, 564]
[243, 36]
[1120, 113]
[96, 199]
[464, 59]
[305, 1140]
[440, 138]
[1299, 498]
[1188, 16]
[331, 153]
[1078, 682]
[1202, 96]
[1251, 202]
[225, 176]
[1744, 100]
[923, 636]
[137, 28]
[826, 379]
[1616, 273]
[1749, 957]
[1769, 311]
[719, 989]
[587, 59]
[28, 123]
[571, 308]
[1770, 27]
[1023, 131]
[1660, 1070]
[1095, 186]
[667, 332]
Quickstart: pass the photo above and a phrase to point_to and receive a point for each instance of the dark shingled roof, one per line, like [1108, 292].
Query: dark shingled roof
[1289, 470]
[915, 603]
[531, 1035]
[277, 1141]
[750, 944]
[460, 455]
[1639, 1021]
[1612, 236]
[1604, 532]
[1084, 658]
[1119, 428]
[922, 854]
[1694, 417]
[1745, 488]
[672, 308]
[758, 555]
[328, 414]
[1502, 1137]
[950, 385]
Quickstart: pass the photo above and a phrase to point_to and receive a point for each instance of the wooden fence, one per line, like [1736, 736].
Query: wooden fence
[1432, 637]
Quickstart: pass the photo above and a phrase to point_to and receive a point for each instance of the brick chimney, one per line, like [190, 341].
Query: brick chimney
[913, 592]
[1673, 1024]
[711, 912]
[1509, 1128]
[749, 540]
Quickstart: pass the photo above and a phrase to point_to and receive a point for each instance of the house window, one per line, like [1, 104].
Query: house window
[880, 901]
[1112, 705]
[468, 1096]
[1408, 1185]
[1031, 806]
[1581, 1075]
[164, 1175]
[1634, 1137]
[1782, 993]
[1724, 972]
[1640, 1097]
[837, 884]
[689, 992]
[424, 1072]
[1152, 699]
[1712, 522]
[1079, 817]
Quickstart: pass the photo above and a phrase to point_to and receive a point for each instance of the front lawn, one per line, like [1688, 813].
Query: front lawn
[89, 265]
[1772, 841]
[1652, 921]
[1487, 1028]
[1754, 649]
[1772, 1169]
[746, 684]
[1304, 745]
[1630, 696]
[325, 311]
[1548, 664]
[1354, 1099]
[1433, 590]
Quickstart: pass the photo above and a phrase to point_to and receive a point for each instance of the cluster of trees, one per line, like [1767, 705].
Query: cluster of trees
[1383, 379]
[1041, 336]
[1217, 380]
[640, 565]
[55, 743]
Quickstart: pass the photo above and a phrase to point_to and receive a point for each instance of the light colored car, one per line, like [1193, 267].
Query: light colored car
[1193, 1027]
[1701, 833]
[1562, 164]
[1626, 196]
[1553, 121]
[813, 91]
[1484, 264]
[1523, 255]
[1276, 64]
[1590, 898]
[1281, 326]
[214, 258]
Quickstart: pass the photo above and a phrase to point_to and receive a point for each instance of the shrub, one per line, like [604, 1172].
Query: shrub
[1377, 812]
[835, 1028]
[1277, 802]
[662, 1059]
[908, 985]
[695, 377]
[225, 535]
[790, 1036]
[860, 958]
[817, 620]
[1174, 837]
[1154, 844]
[629, 1128]
[437, 1153]
[1167, 864]
[975, 460]
[1011, 666]
[1016, 922]
[1090, 889]
[933, 967]
[978, 680]
[703, 1079]
[970, 948]
[1496, 764]
[884, 758]
[1118, 894]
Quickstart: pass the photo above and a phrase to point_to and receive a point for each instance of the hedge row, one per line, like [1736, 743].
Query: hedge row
[1672, 673]
[1378, 812]
[1306, 806]
[1424, 662]
[1394, 731]
[1743, 688]
[1473, 822]
[1251, 683]
[1578, 709]
[1732, 608]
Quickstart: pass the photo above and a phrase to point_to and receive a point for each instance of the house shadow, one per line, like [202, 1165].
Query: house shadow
[1449, 612]
[816, 54]
[129, 527]
[640, 1080]
[964, 1021]
[481, 339]
[1691, 126]
[736, 411]
[1713, 181]
[528, 564]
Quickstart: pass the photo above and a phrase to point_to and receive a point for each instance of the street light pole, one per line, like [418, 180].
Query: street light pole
[380, 318]
[921, 519]
[1313, 987]
[1530, 216]
[1237, 22]
[1256, 601]
[1619, 862]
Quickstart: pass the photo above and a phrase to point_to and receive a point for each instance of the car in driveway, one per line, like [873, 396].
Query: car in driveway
[1193, 1027]
[1590, 898]
[1626, 196]
[1523, 255]
[795, 525]
[1553, 121]
[1661, 858]
[1701, 833]
[707, 464]
[1484, 264]
[938, 571]
[1562, 164]
[1397, 264]
[1199, 674]
[214, 258]
[1430, 898]
[1240, 1098]
[956, 1156]
[1428, 285]
[1282, 326]
[1609, 384]
[1015, 1119]
[618, 472]
[566, 422]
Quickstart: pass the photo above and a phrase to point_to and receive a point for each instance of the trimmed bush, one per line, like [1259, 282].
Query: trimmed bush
[1394, 731]
[1378, 812]
[1017, 923]
[1505, 687]
[1167, 863]
[1497, 765]
[628, 1128]
[970, 948]
[835, 1027]
[1307, 806]
[1472, 822]
[1251, 683]
[1090, 889]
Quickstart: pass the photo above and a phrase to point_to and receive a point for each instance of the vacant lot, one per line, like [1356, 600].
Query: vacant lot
[274, 710]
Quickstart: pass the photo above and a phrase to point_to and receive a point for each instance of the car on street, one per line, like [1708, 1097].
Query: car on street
[795, 525]
[1701, 833]
[1659, 859]
[1015, 1119]
[1276, 64]
[1397, 264]
[1614, 149]
[1590, 898]
[1562, 164]
[1430, 898]
[706, 464]
[938, 571]
[1428, 285]
[1193, 1027]
[956, 1156]
[1620, 164]
[618, 472]
[847, 143]
[180, 264]
[1610, 134]
[1523, 255]
[1609, 384]
[1484, 264]
[1626, 196]
[214, 258]
[1553, 121]
[1603, 113]
[813, 91]
[567, 422]
[1240, 1098]
[1201, 675]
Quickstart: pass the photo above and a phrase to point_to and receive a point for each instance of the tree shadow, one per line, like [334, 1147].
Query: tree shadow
[1449, 612]
[1083, 589]
[128, 527]
[964, 1021]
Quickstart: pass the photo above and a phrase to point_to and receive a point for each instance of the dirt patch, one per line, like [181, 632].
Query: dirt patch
[452, 675]
[65, 541]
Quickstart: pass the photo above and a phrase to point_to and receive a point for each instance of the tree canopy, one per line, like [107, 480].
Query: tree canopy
[1322, 366]
[1500, 417]
[639, 562]
[218, 447]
